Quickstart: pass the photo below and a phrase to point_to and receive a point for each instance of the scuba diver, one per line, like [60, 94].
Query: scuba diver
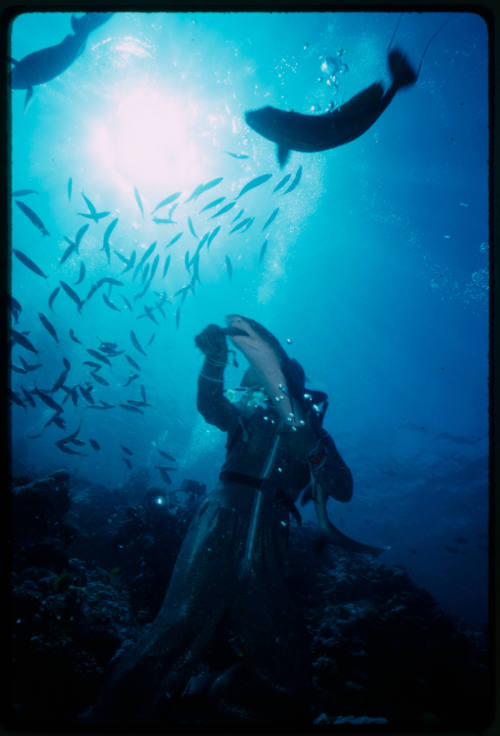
[229, 629]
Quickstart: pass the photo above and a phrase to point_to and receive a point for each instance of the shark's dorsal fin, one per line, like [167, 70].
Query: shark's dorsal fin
[283, 154]
[29, 95]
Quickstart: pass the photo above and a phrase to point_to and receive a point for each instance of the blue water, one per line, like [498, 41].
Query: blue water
[376, 266]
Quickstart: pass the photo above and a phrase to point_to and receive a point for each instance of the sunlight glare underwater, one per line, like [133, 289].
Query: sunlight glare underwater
[148, 139]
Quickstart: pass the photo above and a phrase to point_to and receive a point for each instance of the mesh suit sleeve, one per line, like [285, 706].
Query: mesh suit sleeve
[211, 402]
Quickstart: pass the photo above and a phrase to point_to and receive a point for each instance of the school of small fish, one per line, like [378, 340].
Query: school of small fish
[133, 277]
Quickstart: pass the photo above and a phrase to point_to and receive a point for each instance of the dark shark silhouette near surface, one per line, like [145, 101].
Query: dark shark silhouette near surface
[294, 131]
[46, 64]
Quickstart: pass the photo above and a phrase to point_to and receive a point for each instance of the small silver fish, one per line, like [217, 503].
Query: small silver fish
[136, 343]
[166, 201]
[262, 251]
[133, 363]
[223, 210]
[174, 240]
[281, 183]
[212, 204]
[81, 275]
[23, 192]
[48, 326]
[166, 266]
[28, 262]
[53, 296]
[163, 220]
[212, 235]
[72, 295]
[270, 218]
[203, 188]
[191, 227]
[32, 216]
[257, 182]
[139, 201]
[22, 340]
[110, 303]
[295, 181]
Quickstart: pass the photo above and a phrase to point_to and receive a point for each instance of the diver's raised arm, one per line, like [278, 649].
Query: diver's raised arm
[211, 402]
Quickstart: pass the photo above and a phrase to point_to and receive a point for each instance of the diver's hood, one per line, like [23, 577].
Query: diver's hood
[318, 397]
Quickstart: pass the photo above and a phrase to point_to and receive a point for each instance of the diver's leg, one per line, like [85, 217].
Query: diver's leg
[167, 654]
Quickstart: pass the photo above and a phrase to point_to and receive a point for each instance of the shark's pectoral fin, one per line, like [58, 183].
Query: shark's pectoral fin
[283, 154]
[27, 99]
[12, 61]
[328, 533]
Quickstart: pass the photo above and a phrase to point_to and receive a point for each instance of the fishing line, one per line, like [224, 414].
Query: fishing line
[395, 31]
[431, 39]
[445, 23]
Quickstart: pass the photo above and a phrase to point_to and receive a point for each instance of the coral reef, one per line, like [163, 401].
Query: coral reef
[383, 649]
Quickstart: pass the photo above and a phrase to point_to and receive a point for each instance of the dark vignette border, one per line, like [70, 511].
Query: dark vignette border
[489, 10]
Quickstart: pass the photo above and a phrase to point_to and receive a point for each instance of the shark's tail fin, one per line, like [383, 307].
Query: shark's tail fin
[402, 73]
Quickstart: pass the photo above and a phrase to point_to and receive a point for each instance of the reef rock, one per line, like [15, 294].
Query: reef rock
[90, 568]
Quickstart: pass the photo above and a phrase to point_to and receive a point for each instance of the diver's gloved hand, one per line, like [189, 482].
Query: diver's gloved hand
[212, 342]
